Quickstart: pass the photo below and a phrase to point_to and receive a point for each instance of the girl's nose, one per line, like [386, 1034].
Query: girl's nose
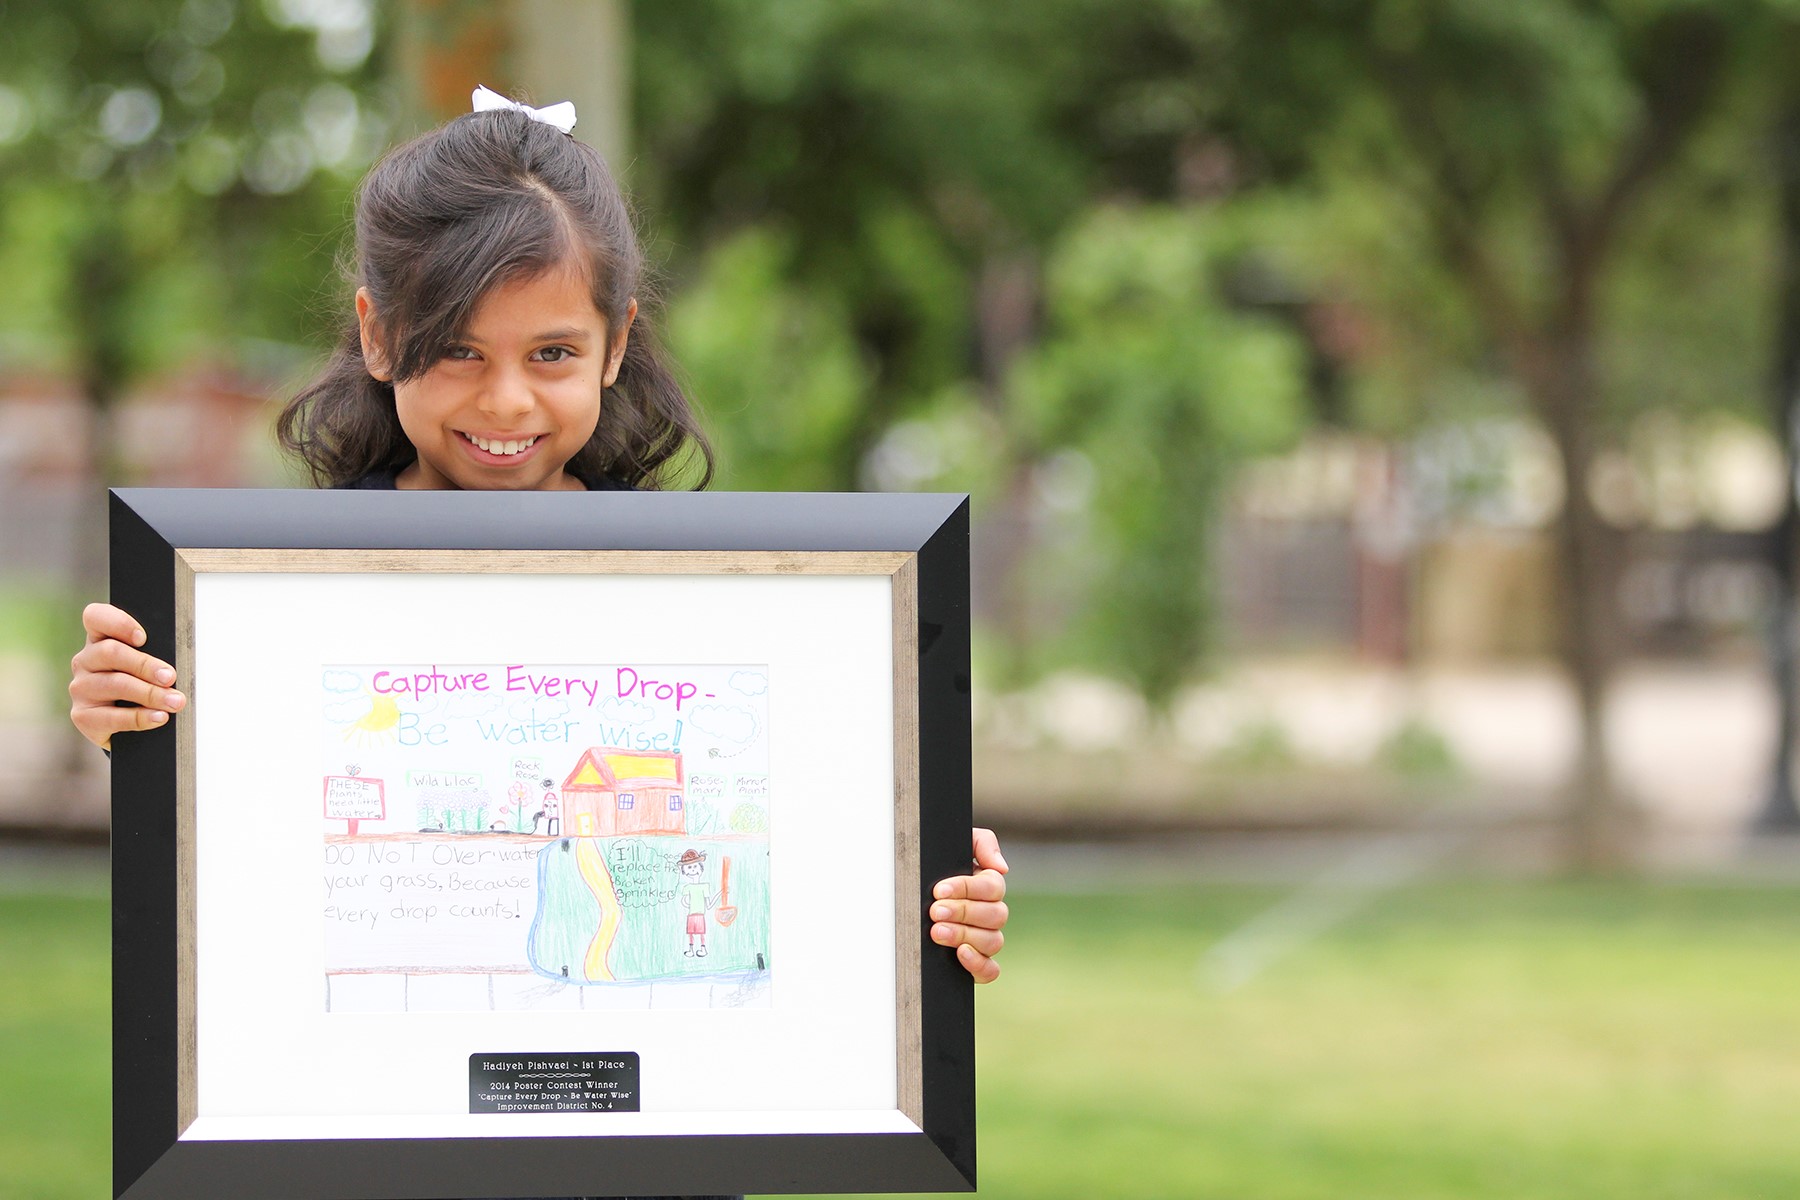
[507, 396]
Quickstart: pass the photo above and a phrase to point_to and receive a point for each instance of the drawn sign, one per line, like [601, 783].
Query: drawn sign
[539, 834]
[351, 798]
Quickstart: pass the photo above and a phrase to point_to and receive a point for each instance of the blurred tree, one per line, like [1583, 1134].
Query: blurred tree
[1529, 138]
[892, 149]
[776, 363]
[1781, 808]
[1531, 197]
[180, 168]
[1158, 386]
[898, 176]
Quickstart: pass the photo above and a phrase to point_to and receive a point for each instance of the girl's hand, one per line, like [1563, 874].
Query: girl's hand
[110, 668]
[969, 911]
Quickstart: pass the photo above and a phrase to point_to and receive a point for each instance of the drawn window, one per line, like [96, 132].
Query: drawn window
[674, 803]
[627, 800]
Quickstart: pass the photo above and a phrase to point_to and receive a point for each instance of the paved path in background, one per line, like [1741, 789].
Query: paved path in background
[1691, 742]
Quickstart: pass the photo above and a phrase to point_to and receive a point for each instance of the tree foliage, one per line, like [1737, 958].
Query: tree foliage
[1078, 257]
[1159, 386]
[176, 172]
[945, 295]
[1531, 141]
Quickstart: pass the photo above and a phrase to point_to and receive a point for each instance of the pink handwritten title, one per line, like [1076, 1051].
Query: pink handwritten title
[627, 683]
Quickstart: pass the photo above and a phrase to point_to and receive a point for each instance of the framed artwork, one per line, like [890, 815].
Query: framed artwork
[523, 844]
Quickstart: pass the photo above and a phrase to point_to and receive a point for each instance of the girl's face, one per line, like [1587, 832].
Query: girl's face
[512, 402]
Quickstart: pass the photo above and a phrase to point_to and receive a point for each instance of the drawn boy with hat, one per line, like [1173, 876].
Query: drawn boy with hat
[698, 898]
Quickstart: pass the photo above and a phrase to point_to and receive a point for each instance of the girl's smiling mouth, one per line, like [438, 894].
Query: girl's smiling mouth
[499, 447]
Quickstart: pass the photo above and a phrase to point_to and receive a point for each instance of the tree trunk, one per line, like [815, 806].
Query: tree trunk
[1562, 380]
[541, 50]
[1006, 313]
[1781, 811]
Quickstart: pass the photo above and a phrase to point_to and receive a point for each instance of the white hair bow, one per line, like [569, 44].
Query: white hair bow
[560, 115]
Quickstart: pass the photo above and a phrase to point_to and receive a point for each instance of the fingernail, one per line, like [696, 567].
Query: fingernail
[165, 676]
[942, 890]
[157, 718]
[940, 912]
[176, 699]
[941, 933]
[137, 637]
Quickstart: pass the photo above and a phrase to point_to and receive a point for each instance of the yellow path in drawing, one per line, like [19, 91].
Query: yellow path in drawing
[593, 869]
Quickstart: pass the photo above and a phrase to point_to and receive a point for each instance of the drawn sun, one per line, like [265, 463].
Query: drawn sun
[377, 725]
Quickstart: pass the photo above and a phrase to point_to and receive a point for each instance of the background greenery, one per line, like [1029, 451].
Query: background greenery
[1077, 257]
[1083, 259]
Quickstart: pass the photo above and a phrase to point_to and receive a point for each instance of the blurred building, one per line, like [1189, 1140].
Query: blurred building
[1440, 549]
[46, 448]
[202, 427]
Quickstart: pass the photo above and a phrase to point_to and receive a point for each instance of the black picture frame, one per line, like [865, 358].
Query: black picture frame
[156, 535]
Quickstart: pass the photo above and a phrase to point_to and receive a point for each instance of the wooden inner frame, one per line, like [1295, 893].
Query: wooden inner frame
[900, 567]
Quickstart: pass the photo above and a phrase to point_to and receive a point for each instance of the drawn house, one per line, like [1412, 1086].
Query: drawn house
[613, 791]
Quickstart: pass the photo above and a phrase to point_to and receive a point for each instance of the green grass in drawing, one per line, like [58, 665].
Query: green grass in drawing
[576, 938]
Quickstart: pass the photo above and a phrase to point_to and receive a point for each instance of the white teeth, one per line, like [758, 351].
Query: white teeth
[499, 447]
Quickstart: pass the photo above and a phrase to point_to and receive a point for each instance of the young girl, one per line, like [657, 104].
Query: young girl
[496, 343]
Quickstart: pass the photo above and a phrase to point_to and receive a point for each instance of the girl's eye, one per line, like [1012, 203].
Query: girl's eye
[554, 354]
[460, 353]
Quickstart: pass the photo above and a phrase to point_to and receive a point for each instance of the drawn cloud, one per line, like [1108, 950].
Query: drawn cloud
[353, 708]
[457, 704]
[734, 725]
[342, 681]
[627, 712]
[751, 683]
[474, 704]
[541, 708]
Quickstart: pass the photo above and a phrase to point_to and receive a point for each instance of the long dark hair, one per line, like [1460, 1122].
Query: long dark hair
[487, 199]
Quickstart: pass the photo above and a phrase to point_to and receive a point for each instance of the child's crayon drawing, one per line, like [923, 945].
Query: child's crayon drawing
[515, 835]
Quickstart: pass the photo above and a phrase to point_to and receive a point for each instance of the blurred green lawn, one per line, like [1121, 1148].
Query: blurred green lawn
[1453, 1040]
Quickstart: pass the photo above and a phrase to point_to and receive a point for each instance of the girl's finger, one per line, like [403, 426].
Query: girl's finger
[107, 621]
[98, 723]
[983, 885]
[110, 654]
[982, 967]
[94, 689]
[987, 941]
[987, 851]
[981, 913]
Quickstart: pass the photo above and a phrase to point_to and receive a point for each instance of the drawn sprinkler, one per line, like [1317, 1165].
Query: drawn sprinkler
[727, 912]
